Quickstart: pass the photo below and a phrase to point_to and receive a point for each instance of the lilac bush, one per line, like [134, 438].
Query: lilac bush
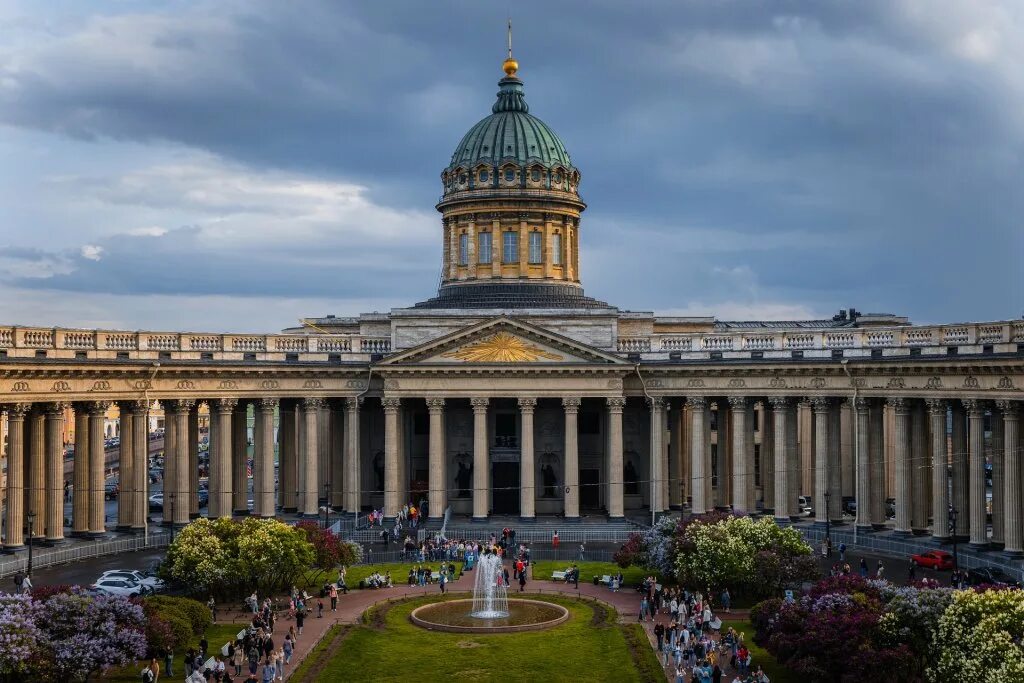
[19, 635]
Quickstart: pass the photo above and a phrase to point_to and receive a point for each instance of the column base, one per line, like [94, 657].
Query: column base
[1013, 554]
[51, 542]
[81, 533]
[12, 549]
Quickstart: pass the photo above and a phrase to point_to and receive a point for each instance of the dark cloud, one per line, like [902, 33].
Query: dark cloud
[880, 138]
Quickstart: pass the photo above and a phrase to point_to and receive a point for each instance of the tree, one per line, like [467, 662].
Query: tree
[979, 638]
[327, 548]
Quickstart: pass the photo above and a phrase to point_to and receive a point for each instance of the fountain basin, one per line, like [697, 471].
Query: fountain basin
[454, 616]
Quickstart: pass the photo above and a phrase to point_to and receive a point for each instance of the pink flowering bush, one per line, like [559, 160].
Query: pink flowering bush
[19, 635]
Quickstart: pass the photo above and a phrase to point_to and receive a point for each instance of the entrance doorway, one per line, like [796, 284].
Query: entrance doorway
[590, 489]
[505, 488]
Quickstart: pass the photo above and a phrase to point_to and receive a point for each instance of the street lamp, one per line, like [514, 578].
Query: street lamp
[327, 505]
[31, 516]
[170, 501]
[952, 533]
[828, 522]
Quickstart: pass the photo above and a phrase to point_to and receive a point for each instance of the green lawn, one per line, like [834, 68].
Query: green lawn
[759, 656]
[632, 576]
[399, 571]
[216, 635]
[392, 649]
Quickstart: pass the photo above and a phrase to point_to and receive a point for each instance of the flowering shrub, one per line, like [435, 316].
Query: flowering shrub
[172, 622]
[19, 635]
[979, 638]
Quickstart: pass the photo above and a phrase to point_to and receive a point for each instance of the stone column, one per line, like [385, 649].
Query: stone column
[481, 461]
[976, 480]
[998, 466]
[767, 460]
[919, 469]
[940, 477]
[748, 444]
[263, 463]
[183, 477]
[1013, 538]
[140, 435]
[675, 475]
[784, 507]
[97, 463]
[876, 444]
[240, 459]
[527, 463]
[54, 473]
[311, 457]
[337, 455]
[657, 430]
[213, 461]
[805, 440]
[323, 445]
[961, 473]
[225, 409]
[698, 454]
[616, 471]
[862, 461]
[352, 455]
[740, 480]
[835, 480]
[287, 455]
[170, 408]
[193, 460]
[14, 514]
[391, 451]
[724, 465]
[80, 475]
[571, 405]
[436, 485]
[901, 454]
[36, 498]
[847, 437]
[126, 467]
[821, 462]
[794, 462]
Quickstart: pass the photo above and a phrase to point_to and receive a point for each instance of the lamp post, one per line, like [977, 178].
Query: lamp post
[31, 517]
[170, 502]
[828, 521]
[952, 534]
[327, 505]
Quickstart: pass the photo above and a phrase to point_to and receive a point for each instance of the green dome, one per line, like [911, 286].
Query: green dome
[510, 135]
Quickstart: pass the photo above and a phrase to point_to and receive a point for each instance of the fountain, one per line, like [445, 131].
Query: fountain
[490, 594]
[490, 610]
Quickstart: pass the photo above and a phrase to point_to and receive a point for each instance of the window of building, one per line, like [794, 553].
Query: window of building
[483, 176]
[535, 175]
[510, 247]
[556, 249]
[535, 247]
[484, 247]
[463, 249]
[510, 175]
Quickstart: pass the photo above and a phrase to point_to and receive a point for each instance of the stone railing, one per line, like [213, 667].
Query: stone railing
[29, 342]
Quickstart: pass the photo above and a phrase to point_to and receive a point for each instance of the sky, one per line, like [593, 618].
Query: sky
[232, 166]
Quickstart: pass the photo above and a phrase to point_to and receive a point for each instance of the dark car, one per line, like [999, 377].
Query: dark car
[850, 506]
[110, 490]
[992, 576]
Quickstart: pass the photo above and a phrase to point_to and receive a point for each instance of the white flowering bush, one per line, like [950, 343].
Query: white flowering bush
[979, 638]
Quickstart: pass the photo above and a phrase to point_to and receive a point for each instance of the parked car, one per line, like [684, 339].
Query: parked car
[850, 506]
[153, 583]
[111, 490]
[116, 586]
[156, 501]
[806, 509]
[990, 575]
[936, 559]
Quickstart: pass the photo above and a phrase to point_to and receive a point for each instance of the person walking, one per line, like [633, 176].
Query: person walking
[554, 540]
[333, 593]
[582, 551]
[300, 618]
[522, 581]
[442, 581]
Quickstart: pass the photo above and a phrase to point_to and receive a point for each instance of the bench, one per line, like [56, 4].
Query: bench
[606, 580]
[558, 576]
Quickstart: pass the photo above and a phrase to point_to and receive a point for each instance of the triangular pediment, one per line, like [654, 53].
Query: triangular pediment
[502, 341]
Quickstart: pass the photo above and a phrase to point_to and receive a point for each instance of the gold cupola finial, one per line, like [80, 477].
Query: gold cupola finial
[510, 66]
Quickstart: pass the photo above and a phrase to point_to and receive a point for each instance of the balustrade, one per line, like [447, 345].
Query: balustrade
[761, 343]
[800, 341]
[717, 343]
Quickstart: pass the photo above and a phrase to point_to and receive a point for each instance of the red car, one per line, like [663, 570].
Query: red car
[936, 559]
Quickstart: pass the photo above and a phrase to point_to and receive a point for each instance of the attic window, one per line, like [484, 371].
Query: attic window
[508, 148]
[485, 148]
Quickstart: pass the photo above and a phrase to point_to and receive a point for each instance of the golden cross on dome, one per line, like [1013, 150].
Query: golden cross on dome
[511, 66]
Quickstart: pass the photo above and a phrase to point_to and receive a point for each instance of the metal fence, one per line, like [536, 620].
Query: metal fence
[372, 556]
[48, 557]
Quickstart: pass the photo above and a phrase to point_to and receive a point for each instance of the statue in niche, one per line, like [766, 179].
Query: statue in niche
[549, 479]
[630, 475]
[378, 471]
[464, 475]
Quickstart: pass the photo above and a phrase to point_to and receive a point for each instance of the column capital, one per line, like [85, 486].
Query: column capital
[974, 407]
[898, 404]
[353, 402]
[936, 406]
[98, 407]
[225, 405]
[1007, 407]
[17, 411]
[571, 404]
[391, 403]
[861, 404]
[779, 402]
[738, 402]
[697, 402]
[479, 404]
[527, 404]
[311, 403]
[656, 402]
[616, 403]
[56, 408]
[267, 404]
[435, 404]
[820, 404]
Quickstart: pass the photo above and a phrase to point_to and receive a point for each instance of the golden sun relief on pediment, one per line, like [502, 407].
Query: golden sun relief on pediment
[501, 347]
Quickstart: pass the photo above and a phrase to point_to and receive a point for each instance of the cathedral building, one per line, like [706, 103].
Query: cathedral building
[511, 392]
